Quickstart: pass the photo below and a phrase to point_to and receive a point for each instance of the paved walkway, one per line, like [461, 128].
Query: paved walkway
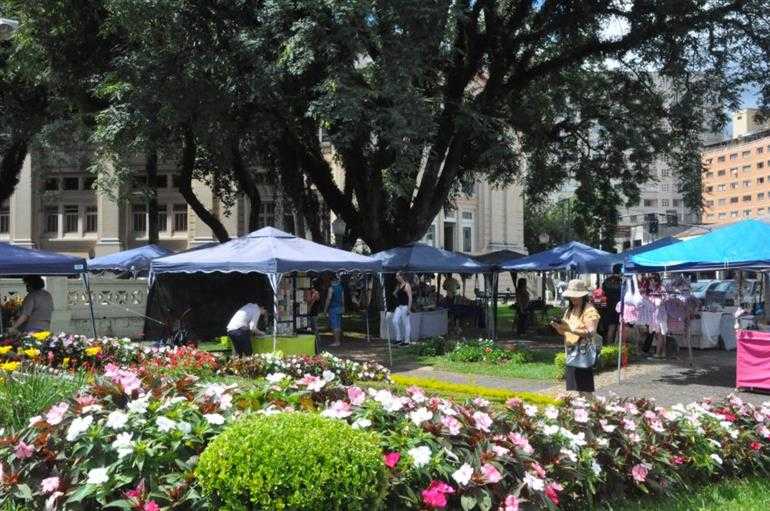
[668, 382]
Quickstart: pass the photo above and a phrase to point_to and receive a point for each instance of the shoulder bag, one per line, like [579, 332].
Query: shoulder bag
[585, 353]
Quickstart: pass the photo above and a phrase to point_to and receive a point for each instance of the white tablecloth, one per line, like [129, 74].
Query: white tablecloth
[712, 326]
[424, 324]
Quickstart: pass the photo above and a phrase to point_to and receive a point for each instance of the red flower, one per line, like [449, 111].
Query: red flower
[391, 459]
[434, 496]
[552, 492]
[755, 446]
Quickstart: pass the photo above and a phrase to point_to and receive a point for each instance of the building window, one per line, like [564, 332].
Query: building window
[664, 202]
[747, 168]
[733, 200]
[176, 181]
[467, 215]
[747, 198]
[92, 219]
[677, 202]
[633, 219]
[709, 204]
[721, 172]
[52, 184]
[760, 150]
[71, 218]
[664, 173]
[709, 189]
[746, 154]
[450, 212]
[5, 219]
[722, 202]
[733, 214]
[760, 211]
[760, 180]
[649, 203]
[709, 174]
[734, 185]
[722, 215]
[734, 171]
[721, 188]
[71, 183]
[721, 158]
[89, 183]
[430, 236]
[760, 165]
[664, 187]
[746, 212]
[747, 183]
[267, 214]
[162, 218]
[52, 220]
[449, 236]
[139, 218]
[761, 196]
[734, 156]
[467, 239]
[180, 217]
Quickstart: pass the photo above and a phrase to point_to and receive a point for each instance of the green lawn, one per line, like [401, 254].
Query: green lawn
[751, 494]
[542, 368]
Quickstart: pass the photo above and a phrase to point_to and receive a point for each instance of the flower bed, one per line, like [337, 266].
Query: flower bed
[135, 438]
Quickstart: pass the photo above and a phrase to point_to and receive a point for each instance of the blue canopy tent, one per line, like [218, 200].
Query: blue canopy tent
[422, 258]
[609, 261]
[19, 261]
[743, 245]
[135, 261]
[572, 256]
[268, 251]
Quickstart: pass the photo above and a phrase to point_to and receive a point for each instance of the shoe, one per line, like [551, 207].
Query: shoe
[335, 345]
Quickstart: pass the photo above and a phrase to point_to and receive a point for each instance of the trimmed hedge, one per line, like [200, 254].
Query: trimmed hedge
[608, 359]
[295, 461]
[499, 395]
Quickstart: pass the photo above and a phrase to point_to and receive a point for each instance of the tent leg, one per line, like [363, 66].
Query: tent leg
[90, 303]
[495, 295]
[275, 279]
[620, 325]
[689, 341]
[366, 308]
[385, 317]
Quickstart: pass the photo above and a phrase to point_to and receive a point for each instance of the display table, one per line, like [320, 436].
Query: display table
[752, 369]
[424, 324]
[286, 344]
[714, 325]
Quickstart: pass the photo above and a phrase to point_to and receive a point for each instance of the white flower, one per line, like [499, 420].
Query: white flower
[597, 469]
[602, 442]
[225, 402]
[117, 419]
[534, 482]
[184, 427]
[123, 444]
[552, 413]
[214, 418]
[629, 424]
[420, 455]
[91, 408]
[98, 476]
[463, 474]
[78, 426]
[138, 406]
[389, 402]
[581, 416]
[421, 415]
[569, 454]
[34, 420]
[550, 430]
[530, 410]
[361, 423]
[274, 378]
[165, 424]
[328, 375]
[716, 458]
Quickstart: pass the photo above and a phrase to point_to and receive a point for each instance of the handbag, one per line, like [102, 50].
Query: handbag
[584, 354]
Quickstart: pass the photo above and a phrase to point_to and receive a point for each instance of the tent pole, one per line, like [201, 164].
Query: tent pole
[90, 303]
[495, 297]
[620, 322]
[366, 307]
[385, 318]
[275, 278]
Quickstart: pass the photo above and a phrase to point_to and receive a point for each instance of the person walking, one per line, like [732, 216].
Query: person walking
[242, 324]
[36, 309]
[313, 300]
[335, 306]
[578, 324]
[610, 316]
[522, 306]
[401, 316]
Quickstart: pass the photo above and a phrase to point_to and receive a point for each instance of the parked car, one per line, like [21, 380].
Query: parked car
[701, 288]
[725, 293]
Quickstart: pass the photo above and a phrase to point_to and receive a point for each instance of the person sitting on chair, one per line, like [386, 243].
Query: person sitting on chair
[241, 326]
[36, 309]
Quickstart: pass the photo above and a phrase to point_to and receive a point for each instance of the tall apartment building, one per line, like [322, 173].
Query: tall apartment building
[55, 208]
[736, 176]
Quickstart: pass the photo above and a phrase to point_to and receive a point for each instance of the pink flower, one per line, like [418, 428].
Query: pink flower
[151, 506]
[581, 415]
[136, 493]
[338, 410]
[56, 414]
[416, 393]
[755, 446]
[639, 472]
[520, 441]
[511, 503]
[677, 460]
[24, 450]
[434, 496]
[313, 383]
[552, 492]
[356, 396]
[500, 450]
[514, 403]
[482, 421]
[391, 459]
[49, 484]
[85, 400]
[452, 424]
[491, 474]
[537, 469]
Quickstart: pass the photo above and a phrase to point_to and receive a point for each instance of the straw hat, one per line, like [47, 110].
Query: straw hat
[576, 289]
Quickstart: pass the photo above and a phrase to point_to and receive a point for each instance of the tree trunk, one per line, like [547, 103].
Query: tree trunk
[10, 167]
[247, 183]
[151, 167]
[185, 188]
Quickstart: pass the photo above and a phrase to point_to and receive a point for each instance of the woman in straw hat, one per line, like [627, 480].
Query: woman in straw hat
[580, 321]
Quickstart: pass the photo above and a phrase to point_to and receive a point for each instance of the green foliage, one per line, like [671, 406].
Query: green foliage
[463, 391]
[751, 494]
[293, 461]
[26, 394]
[485, 350]
[432, 347]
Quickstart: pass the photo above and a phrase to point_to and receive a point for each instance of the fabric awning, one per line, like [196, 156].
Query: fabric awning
[15, 260]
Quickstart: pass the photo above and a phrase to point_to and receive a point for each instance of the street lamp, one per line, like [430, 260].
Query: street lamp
[7, 28]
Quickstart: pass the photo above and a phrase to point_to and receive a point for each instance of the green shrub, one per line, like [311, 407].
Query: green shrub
[25, 394]
[432, 347]
[460, 391]
[293, 461]
[608, 360]
[485, 350]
